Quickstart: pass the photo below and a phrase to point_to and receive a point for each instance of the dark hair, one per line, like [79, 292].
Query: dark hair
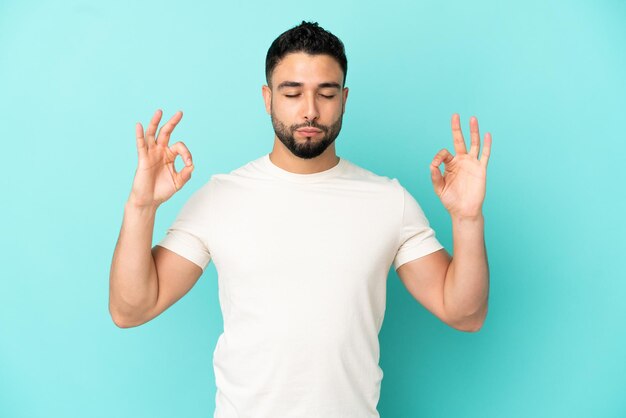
[307, 37]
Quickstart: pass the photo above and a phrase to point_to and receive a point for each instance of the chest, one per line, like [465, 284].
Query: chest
[256, 231]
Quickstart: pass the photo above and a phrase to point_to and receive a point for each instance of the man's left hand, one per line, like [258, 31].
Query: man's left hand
[462, 186]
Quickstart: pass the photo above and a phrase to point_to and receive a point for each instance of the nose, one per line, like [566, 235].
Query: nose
[311, 112]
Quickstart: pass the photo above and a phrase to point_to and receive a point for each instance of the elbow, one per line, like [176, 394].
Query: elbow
[125, 315]
[468, 327]
[119, 320]
[472, 323]
[121, 323]
[115, 316]
[474, 328]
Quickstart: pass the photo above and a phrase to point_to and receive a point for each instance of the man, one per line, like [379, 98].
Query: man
[302, 241]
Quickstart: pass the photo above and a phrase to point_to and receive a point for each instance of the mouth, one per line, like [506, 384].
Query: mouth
[308, 131]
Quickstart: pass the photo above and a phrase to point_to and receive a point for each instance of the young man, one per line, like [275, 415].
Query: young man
[302, 241]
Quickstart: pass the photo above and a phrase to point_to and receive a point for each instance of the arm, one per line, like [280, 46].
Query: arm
[133, 281]
[466, 285]
[456, 289]
[144, 281]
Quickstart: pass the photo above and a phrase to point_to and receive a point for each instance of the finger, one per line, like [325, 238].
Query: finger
[184, 176]
[152, 127]
[457, 135]
[437, 179]
[475, 137]
[442, 156]
[181, 149]
[166, 130]
[141, 141]
[484, 156]
[180, 178]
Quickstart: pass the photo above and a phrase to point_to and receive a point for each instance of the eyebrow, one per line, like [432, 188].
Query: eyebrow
[328, 84]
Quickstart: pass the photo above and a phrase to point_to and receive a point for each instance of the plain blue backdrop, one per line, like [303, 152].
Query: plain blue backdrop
[546, 78]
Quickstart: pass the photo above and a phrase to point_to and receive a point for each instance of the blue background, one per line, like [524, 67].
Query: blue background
[547, 79]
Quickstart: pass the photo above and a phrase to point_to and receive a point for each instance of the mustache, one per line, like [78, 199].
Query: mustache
[310, 124]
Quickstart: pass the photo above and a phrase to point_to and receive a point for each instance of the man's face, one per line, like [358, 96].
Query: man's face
[306, 102]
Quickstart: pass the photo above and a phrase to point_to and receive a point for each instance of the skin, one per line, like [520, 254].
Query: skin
[304, 90]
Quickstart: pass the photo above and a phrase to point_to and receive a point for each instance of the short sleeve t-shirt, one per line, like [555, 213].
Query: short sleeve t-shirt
[302, 263]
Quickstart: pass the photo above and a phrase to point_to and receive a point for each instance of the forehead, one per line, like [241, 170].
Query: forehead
[307, 69]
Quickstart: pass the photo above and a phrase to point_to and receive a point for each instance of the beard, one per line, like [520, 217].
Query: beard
[309, 148]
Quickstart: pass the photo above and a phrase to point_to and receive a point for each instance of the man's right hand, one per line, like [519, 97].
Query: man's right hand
[156, 179]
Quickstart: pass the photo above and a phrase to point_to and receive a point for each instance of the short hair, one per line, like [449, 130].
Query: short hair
[307, 37]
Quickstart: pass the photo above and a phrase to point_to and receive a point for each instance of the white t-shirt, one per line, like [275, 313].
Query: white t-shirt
[302, 263]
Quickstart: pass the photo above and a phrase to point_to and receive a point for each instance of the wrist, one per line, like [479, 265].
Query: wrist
[465, 219]
[134, 206]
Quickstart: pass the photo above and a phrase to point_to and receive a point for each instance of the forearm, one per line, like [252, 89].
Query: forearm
[133, 277]
[466, 287]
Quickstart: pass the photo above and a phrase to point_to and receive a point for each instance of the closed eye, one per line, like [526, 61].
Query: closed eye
[323, 95]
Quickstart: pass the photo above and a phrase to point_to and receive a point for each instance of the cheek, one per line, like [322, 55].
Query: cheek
[335, 110]
[280, 107]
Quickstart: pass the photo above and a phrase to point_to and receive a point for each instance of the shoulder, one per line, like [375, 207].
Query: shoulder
[250, 171]
[370, 179]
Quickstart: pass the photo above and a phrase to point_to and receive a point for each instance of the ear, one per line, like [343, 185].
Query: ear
[267, 98]
[345, 98]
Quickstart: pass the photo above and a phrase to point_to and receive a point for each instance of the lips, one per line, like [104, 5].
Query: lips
[308, 130]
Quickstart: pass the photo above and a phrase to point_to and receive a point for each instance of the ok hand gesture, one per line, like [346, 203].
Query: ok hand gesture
[156, 179]
[462, 186]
